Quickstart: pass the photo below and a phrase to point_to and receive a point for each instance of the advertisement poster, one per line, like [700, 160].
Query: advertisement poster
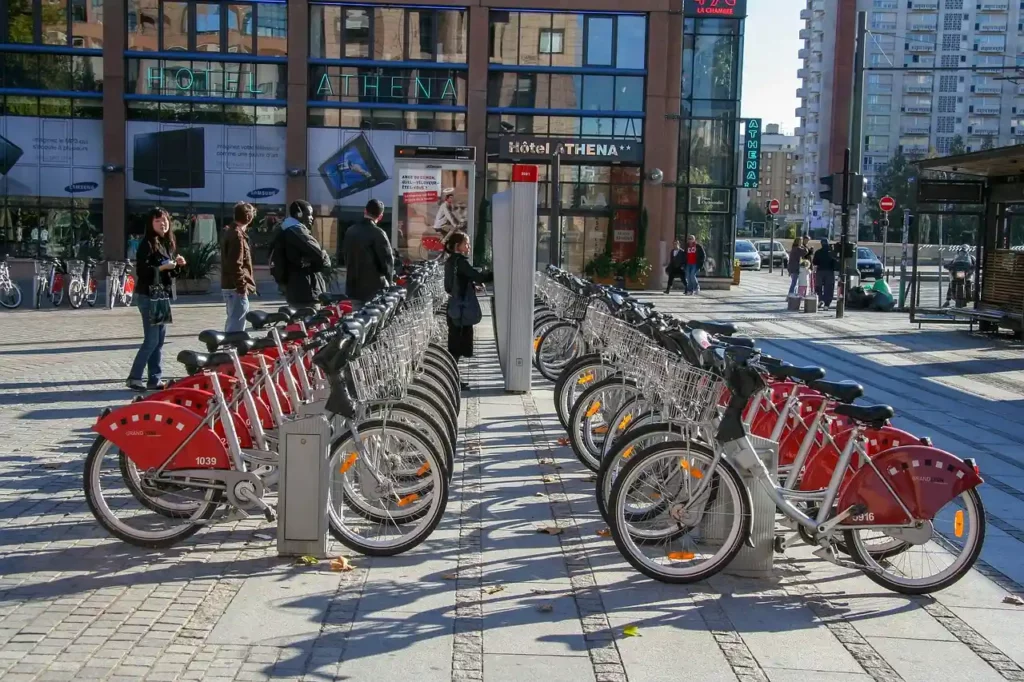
[419, 185]
[217, 164]
[624, 233]
[51, 157]
[423, 217]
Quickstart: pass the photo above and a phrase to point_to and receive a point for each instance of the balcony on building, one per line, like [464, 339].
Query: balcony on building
[802, 73]
[992, 47]
[982, 131]
[992, 27]
[994, 5]
[989, 64]
[801, 93]
[923, 24]
[924, 5]
[915, 149]
[917, 46]
[818, 6]
[885, 4]
[919, 108]
[803, 53]
[987, 88]
[915, 129]
[805, 34]
[814, 87]
[917, 88]
[810, 127]
[881, 25]
[798, 131]
[986, 109]
[805, 14]
[801, 112]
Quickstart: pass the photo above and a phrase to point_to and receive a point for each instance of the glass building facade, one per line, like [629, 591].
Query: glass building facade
[109, 108]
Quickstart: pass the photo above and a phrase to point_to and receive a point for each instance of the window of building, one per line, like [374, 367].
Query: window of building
[952, 22]
[246, 27]
[552, 41]
[63, 23]
[388, 33]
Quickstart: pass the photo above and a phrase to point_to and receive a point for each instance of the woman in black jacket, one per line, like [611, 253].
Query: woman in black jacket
[155, 264]
[824, 263]
[460, 280]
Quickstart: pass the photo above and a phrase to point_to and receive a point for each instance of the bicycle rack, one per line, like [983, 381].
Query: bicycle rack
[756, 561]
[302, 490]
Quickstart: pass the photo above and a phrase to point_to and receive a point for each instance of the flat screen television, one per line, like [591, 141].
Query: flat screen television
[9, 155]
[170, 159]
[352, 169]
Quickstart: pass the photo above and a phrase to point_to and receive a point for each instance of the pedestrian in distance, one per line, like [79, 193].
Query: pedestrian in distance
[297, 260]
[824, 262]
[676, 263]
[156, 263]
[369, 259]
[236, 276]
[796, 254]
[460, 281]
[693, 263]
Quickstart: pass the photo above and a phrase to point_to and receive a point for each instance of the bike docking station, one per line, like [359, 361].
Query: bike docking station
[514, 240]
[757, 556]
[302, 526]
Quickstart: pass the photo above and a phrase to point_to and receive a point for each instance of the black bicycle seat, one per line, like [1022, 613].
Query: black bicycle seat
[843, 391]
[739, 341]
[287, 311]
[214, 339]
[866, 414]
[264, 344]
[258, 319]
[804, 374]
[716, 328]
[294, 335]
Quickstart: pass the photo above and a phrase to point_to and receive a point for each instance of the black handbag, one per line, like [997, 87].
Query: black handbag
[464, 310]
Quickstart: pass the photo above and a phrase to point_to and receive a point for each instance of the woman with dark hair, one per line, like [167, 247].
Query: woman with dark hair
[155, 265]
[824, 262]
[460, 280]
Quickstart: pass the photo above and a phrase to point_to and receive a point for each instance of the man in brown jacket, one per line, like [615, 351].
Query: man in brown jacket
[236, 279]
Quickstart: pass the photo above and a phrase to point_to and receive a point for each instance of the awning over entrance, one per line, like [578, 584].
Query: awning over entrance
[990, 163]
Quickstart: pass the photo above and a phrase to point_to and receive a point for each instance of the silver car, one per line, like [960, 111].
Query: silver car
[747, 255]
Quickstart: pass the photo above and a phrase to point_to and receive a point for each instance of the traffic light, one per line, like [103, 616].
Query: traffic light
[884, 225]
[827, 193]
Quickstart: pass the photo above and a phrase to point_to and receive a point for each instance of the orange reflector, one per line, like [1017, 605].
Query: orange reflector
[697, 473]
[958, 523]
[601, 429]
[629, 452]
[585, 379]
[408, 499]
[349, 461]
[594, 407]
[536, 344]
[680, 556]
[625, 422]
[655, 496]
[422, 471]
[683, 464]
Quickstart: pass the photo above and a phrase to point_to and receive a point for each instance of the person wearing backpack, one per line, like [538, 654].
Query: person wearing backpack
[297, 259]
[369, 260]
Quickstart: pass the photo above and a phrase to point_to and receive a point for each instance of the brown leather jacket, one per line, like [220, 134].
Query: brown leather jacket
[236, 261]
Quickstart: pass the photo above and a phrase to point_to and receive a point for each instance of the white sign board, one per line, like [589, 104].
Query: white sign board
[420, 185]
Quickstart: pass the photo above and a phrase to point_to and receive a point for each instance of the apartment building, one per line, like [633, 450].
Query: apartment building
[780, 174]
[937, 69]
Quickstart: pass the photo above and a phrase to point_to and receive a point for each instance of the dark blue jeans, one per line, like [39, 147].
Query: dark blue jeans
[150, 354]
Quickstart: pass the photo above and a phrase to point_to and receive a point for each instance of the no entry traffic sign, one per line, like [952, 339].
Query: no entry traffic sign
[773, 206]
[887, 203]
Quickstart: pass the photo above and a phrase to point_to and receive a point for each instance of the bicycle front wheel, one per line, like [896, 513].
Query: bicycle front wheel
[559, 345]
[10, 295]
[674, 517]
[76, 294]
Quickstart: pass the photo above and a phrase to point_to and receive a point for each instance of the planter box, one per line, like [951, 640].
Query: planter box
[636, 284]
[608, 281]
[193, 286]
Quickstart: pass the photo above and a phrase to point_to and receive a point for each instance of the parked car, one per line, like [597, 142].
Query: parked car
[747, 255]
[868, 264]
[779, 256]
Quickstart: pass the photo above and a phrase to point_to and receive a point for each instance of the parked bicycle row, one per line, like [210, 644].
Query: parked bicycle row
[205, 449]
[669, 413]
[56, 277]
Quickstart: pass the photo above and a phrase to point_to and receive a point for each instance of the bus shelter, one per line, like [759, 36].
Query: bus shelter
[990, 186]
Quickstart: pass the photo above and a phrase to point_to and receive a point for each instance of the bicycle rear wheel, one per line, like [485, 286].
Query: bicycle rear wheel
[559, 345]
[76, 294]
[10, 295]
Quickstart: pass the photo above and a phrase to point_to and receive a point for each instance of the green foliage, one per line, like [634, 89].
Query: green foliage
[600, 266]
[755, 212]
[200, 260]
[636, 268]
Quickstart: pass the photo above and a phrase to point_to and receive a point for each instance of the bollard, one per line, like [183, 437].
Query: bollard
[110, 292]
[302, 525]
[756, 561]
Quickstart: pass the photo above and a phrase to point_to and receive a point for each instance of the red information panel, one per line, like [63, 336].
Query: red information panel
[420, 197]
[522, 173]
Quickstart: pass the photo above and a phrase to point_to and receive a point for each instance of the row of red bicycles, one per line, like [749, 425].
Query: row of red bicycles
[672, 415]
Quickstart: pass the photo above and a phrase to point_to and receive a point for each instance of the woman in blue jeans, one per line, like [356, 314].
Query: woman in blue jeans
[155, 264]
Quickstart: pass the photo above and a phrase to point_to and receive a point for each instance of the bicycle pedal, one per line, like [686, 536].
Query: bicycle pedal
[270, 514]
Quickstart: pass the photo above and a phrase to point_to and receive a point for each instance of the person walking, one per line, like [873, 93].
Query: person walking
[236, 277]
[155, 266]
[676, 263]
[298, 259]
[460, 280]
[693, 263]
[796, 254]
[824, 262]
[369, 260]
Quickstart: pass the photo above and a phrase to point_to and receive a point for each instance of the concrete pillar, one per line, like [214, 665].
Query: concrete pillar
[114, 184]
[476, 95]
[298, 94]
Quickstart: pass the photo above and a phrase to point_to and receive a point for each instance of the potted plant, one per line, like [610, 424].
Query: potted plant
[200, 261]
[601, 269]
[635, 272]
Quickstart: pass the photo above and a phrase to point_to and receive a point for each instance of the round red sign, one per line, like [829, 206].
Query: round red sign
[774, 206]
[887, 203]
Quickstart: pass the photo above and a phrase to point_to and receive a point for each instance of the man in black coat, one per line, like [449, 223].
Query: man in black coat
[304, 258]
[369, 259]
[676, 261]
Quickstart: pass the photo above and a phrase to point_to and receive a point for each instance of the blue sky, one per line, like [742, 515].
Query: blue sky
[770, 62]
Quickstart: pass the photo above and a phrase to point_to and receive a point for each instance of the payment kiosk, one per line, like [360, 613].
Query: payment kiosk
[514, 240]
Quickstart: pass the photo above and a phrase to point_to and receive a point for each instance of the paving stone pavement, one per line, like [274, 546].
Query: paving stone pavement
[487, 597]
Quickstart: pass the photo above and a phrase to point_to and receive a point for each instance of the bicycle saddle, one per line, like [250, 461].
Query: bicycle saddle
[805, 374]
[214, 339]
[740, 354]
[194, 361]
[259, 319]
[716, 328]
[843, 391]
[866, 414]
[328, 299]
[769, 361]
[264, 344]
[293, 335]
[739, 341]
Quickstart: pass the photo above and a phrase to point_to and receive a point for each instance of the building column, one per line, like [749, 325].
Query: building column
[476, 95]
[295, 154]
[114, 115]
[661, 135]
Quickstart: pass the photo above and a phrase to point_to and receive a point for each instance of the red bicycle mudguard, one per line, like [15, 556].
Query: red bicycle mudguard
[203, 382]
[148, 432]
[198, 401]
[820, 464]
[925, 478]
[766, 418]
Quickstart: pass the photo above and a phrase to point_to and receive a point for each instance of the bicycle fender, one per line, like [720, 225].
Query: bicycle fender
[820, 465]
[148, 433]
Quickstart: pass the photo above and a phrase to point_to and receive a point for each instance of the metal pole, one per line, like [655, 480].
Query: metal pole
[941, 298]
[885, 246]
[555, 226]
[844, 278]
[771, 249]
[903, 259]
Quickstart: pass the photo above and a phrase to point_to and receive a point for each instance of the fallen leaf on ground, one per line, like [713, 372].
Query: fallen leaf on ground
[549, 479]
[307, 561]
[545, 608]
[539, 494]
[341, 564]
[1013, 599]
[604, 532]
[547, 461]
[494, 589]
[631, 631]
[550, 530]
[450, 576]
[263, 536]
[563, 441]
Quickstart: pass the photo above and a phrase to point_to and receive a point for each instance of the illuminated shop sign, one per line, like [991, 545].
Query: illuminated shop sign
[621, 151]
[185, 81]
[715, 8]
[383, 87]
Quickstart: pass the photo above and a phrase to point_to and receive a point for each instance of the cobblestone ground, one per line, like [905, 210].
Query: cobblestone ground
[486, 597]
